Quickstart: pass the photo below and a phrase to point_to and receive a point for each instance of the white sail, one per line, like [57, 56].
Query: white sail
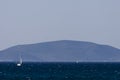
[20, 60]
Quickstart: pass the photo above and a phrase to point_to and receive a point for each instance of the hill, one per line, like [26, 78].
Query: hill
[61, 51]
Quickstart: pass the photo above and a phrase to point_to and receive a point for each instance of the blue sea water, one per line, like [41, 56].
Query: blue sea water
[60, 71]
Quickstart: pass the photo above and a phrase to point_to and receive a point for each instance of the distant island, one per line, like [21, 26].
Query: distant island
[61, 51]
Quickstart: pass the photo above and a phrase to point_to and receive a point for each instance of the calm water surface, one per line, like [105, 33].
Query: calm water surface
[60, 71]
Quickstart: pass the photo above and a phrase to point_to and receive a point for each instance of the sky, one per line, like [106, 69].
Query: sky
[35, 21]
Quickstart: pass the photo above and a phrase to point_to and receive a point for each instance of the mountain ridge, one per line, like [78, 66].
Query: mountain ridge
[62, 51]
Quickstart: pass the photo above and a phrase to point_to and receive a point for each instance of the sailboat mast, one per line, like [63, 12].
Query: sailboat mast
[20, 60]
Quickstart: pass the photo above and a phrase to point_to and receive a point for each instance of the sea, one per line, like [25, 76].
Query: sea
[60, 71]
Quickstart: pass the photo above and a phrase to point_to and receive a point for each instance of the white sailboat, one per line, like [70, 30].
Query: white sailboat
[20, 62]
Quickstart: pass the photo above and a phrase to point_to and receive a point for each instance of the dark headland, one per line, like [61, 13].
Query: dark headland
[61, 51]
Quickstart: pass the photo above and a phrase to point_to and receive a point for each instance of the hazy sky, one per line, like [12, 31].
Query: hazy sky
[34, 21]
